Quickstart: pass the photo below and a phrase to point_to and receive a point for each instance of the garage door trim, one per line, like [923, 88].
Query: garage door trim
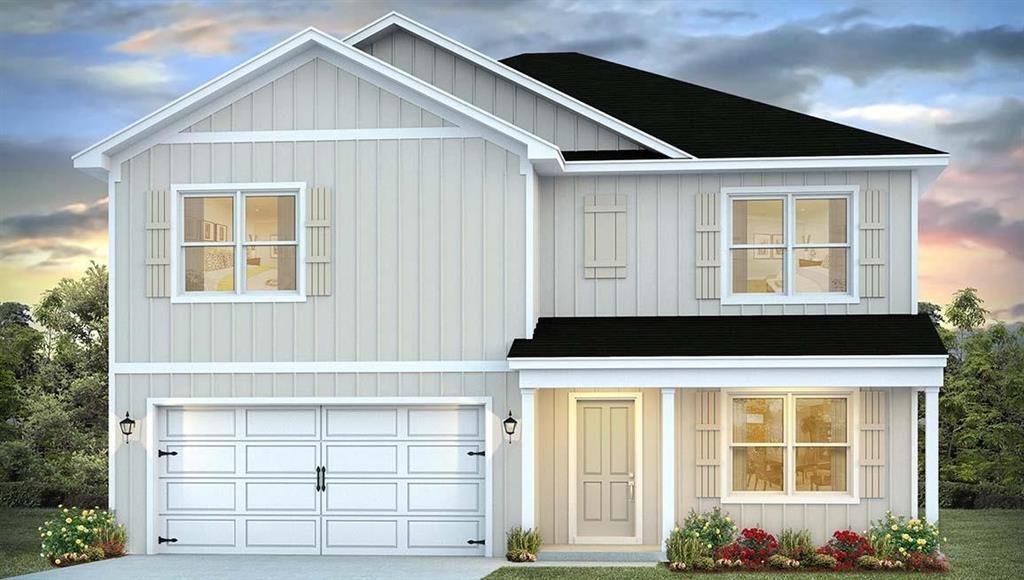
[150, 436]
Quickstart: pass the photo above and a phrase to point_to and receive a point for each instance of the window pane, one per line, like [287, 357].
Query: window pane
[757, 271]
[209, 269]
[821, 469]
[757, 221]
[269, 268]
[270, 218]
[208, 219]
[757, 469]
[757, 421]
[820, 420]
[820, 270]
[821, 221]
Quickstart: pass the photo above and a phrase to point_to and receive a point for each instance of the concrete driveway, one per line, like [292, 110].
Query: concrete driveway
[181, 567]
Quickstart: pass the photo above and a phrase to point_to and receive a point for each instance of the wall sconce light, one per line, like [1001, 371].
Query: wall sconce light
[510, 426]
[127, 427]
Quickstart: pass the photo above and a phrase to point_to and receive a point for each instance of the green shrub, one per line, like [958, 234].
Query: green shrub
[20, 494]
[782, 562]
[795, 545]
[685, 548]
[522, 545]
[820, 561]
[712, 527]
[71, 536]
[899, 538]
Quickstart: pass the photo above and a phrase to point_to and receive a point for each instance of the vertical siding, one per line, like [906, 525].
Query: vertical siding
[662, 230]
[481, 87]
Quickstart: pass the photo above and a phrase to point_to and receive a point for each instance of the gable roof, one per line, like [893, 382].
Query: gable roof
[704, 122]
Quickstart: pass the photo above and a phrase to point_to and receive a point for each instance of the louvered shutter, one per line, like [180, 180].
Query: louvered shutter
[873, 248]
[708, 239]
[158, 244]
[709, 441]
[318, 242]
[604, 236]
[872, 443]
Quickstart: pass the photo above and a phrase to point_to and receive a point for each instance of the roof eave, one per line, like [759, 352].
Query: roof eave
[741, 164]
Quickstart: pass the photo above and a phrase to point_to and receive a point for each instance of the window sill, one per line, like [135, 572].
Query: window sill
[766, 299]
[824, 498]
[211, 298]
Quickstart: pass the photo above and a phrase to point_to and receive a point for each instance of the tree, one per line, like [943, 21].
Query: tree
[934, 311]
[965, 312]
[14, 313]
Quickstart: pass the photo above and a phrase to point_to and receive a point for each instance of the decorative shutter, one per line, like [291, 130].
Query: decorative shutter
[872, 244]
[708, 240]
[318, 242]
[158, 245]
[604, 236]
[872, 443]
[709, 444]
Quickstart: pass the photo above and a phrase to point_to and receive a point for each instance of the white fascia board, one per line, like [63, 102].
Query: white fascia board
[394, 19]
[98, 155]
[729, 362]
[664, 166]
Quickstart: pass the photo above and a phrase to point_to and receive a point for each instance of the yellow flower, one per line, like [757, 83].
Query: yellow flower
[49, 533]
[65, 510]
[903, 550]
[895, 527]
[57, 561]
[922, 542]
[906, 536]
[68, 520]
[78, 541]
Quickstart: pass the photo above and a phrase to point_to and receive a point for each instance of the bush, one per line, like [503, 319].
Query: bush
[712, 527]
[898, 538]
[522, 545]
[752, 549]
[873, 563]
[795, 545]
[20, 494]
[684, 550]
[822, 561]
[846, 546]
[75, 536]
[782, 562]
[921, 562]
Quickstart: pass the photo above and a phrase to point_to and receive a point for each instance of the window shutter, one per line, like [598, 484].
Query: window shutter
[158, 245]
[318, 242]
[708, 239]
[872, 244]
[604, 236]
[709, 444]
[872, 444]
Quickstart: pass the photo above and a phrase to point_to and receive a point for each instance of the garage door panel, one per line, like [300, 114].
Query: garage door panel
[360, 459]
[356, 535]
[269, 459]
[363, 422]
[444, 459]
[444, 496]
[198, 496]
[461, 422]
[281, 496]
[200, 532]
[181, 423]
[281, 533]
[361, 496]
[281, 423]
[450, 534]
[198, 460]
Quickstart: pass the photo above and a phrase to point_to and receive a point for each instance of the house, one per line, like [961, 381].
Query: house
[339, 268]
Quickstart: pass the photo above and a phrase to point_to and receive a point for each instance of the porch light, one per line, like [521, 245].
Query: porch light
[510, 426]
[127, 426]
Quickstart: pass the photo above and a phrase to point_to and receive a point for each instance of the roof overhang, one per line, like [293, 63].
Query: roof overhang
[388, 22]
[913, 371]
[934, 162]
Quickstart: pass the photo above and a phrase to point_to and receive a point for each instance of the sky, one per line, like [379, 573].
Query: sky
[949, 75]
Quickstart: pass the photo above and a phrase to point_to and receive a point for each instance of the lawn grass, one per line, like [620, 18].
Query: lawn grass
[987, 544]
[19, 540]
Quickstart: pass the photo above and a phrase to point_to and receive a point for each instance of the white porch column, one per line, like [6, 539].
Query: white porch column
[931, 454]
[529, 461]
[668, 462]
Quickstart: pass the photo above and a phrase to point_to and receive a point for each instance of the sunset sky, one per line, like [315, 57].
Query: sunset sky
[943, 74]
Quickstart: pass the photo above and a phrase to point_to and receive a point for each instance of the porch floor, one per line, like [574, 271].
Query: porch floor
[600, 553]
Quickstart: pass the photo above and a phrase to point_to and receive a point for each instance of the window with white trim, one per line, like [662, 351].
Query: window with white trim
[793, 245]
[238, 243]
[790, 445]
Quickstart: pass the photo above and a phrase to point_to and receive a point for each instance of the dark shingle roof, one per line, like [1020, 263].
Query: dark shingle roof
[794, 335]
[703, 122]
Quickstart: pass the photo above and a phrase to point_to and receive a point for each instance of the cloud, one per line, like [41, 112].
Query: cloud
[40, 17]
[197, 36]
[49, 252]
[73, 220]
[134, 76]
[999, 131]
[131, 77]
[895, 113]
[725, 15]
[1015, 312]
[970, 221]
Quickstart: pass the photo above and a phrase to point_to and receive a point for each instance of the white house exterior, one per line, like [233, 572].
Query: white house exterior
[337, 268]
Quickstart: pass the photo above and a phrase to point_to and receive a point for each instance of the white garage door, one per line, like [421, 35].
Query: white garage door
[394, 480]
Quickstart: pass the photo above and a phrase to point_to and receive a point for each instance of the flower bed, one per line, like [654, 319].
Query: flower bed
[709, 542]
[74, 536]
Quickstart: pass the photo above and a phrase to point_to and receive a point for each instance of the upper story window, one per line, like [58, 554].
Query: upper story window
[238, 243]
[789, 245]
[785, 445]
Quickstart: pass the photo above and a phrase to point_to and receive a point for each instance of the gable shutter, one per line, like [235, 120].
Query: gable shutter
[872, 443]
[873, 244]
[318, 242]
[158, 245]
[709, 441]
[604, 236]
[708, 240]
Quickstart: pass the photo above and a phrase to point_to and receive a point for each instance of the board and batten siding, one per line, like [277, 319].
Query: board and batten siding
[428, 260]
[481, 87]
[132, 391]
[317, 95]
[662, 232]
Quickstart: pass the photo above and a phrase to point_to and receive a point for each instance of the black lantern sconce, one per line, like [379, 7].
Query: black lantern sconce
[510, 426]
[127, 427]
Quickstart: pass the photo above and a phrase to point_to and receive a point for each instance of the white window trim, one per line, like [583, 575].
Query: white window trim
[790, 193]
[238, 192]
[789, 495]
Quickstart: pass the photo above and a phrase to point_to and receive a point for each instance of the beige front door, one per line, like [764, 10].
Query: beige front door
[605, 471]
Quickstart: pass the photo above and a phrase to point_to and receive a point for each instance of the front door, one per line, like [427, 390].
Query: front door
[605, 471]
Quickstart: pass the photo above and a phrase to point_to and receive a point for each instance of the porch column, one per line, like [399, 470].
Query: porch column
[931, 454]
[529, 461]
[668, 462]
